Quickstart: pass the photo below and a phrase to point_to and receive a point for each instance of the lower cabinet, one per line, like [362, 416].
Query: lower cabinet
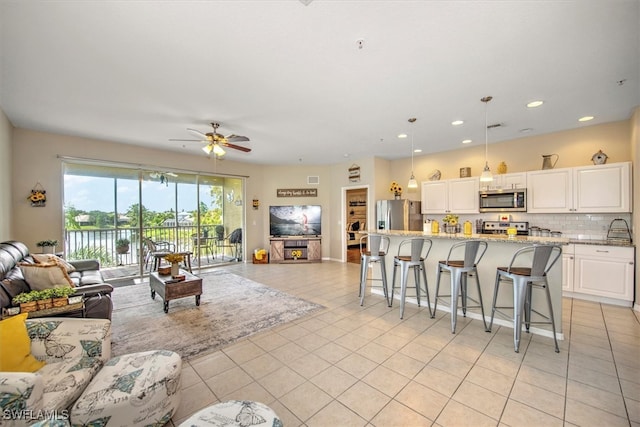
[292, 250]
[599, 273]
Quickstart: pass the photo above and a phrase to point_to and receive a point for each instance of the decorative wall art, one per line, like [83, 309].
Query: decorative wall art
[354, 173]
[38, 196]
[297, 192]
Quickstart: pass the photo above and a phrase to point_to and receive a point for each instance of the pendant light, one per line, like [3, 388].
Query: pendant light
[412, 184]
[486, 173]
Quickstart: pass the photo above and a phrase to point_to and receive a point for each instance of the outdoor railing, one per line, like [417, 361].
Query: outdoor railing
[101, 243]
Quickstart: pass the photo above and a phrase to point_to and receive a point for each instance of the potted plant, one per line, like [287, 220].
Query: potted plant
[44, 298]
[26, 302]
[122, 246]
[48, 246]
[60, 295]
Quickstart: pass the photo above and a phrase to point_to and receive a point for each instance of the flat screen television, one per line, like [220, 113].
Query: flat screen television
[295, 220]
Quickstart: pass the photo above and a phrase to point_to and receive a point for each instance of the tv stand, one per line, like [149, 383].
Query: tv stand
[295, 249]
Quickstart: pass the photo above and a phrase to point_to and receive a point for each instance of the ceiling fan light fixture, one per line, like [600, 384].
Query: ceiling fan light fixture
[217, 150]
[208, 148]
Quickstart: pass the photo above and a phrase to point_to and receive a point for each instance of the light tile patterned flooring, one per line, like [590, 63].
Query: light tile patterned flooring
[349, 365]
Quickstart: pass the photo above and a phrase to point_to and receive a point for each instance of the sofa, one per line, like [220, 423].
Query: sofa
[84, 274]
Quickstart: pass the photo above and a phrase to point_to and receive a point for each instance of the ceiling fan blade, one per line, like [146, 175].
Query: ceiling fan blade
[187, 140]
[197, 133]
[237, 147]
[237, 138]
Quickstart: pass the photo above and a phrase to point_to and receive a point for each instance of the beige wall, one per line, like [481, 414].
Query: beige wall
[5, 178]
[35, 155]
[575, 148]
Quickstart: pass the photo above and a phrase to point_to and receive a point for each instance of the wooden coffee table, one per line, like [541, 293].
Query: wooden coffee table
[168, 290]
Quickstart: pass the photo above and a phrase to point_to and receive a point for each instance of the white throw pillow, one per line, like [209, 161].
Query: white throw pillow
[45, 276]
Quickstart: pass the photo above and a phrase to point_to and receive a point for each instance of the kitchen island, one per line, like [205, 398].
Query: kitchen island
[499, 254]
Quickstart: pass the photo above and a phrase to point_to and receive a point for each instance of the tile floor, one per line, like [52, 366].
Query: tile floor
[362, 366]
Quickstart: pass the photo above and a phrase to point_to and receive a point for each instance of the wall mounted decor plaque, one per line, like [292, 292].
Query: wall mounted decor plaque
[297, 192]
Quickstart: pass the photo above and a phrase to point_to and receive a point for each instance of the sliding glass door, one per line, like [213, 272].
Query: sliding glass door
[109, 205]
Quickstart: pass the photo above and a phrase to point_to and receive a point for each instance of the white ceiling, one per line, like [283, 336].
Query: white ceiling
[293, 79]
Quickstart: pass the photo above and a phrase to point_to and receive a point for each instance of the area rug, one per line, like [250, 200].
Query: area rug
[231, 308]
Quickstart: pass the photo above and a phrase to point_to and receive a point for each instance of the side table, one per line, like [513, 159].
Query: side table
[169, 290]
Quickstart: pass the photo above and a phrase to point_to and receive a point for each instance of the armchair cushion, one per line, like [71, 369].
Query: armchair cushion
[13, 335]
[24, 392]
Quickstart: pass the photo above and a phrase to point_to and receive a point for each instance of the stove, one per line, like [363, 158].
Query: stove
[500, 227]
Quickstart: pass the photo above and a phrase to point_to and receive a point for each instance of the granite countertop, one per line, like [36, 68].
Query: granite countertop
[505, 239]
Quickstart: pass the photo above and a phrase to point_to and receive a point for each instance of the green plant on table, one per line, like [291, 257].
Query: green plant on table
[44, 243]
[122, 242]
[23, 298]
[62, 291]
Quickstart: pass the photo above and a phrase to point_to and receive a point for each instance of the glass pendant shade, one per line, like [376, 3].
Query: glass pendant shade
[207, 148]
[486, 173]
[217, 150]
[412, 182]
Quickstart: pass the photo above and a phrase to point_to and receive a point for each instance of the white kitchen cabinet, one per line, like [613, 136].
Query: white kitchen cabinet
[603, 188]
[458, 196]
[568, 262]
[550, 190]
[507, 181]
[601, 273]
[586, 189]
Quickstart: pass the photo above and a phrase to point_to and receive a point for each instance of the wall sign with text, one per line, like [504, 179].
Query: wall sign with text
[297, 192]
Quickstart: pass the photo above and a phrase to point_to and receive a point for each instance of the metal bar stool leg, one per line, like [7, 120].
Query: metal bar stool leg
[435, 298]
[364, 264]
[519, 296]
[426, 288]
[456, 277]
[484, 319]
[553, 322]
[383, 269]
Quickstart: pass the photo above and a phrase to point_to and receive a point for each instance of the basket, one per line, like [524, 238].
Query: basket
[264, 260]
[164, 271]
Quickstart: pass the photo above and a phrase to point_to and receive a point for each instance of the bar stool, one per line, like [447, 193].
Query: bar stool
[419, 251]
[459, 269]
[373, 248]
[540, 258]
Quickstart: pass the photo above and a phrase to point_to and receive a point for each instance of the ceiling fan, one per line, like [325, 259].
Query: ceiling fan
[215, 141]
[162, 176]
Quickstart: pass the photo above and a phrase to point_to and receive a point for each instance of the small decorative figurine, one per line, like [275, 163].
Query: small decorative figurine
[599, 158]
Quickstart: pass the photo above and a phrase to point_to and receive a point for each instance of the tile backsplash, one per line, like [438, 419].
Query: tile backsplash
[574, 226]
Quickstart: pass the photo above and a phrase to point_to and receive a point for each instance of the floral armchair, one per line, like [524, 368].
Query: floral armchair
[73, 350]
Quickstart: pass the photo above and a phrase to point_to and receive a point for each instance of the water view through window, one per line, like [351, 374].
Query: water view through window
[111, 213]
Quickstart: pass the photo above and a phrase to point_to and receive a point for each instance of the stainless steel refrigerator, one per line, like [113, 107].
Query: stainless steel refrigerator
[398, 215]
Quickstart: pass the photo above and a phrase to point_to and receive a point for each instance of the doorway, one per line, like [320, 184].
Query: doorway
[356, 220]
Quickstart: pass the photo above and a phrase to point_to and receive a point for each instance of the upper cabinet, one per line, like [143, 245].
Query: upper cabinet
[458, 196]
[586, 189]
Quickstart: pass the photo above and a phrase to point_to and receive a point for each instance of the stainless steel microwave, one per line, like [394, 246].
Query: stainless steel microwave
[503, 200]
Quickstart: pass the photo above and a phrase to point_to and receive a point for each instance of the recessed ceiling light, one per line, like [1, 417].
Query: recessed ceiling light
[417, 150]
[457, 122]
[525, 130]
[534, 104]
[466, 141]
[402, 135]
[585, 118]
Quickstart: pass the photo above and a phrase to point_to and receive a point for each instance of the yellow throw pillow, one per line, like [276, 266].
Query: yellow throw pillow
[48, 258]
[16, 346]
[45, 276]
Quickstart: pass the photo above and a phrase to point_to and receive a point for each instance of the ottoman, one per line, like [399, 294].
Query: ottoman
[242, 413]
[132, 390]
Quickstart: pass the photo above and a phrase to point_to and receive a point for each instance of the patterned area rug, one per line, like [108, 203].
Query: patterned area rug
[231, 307]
